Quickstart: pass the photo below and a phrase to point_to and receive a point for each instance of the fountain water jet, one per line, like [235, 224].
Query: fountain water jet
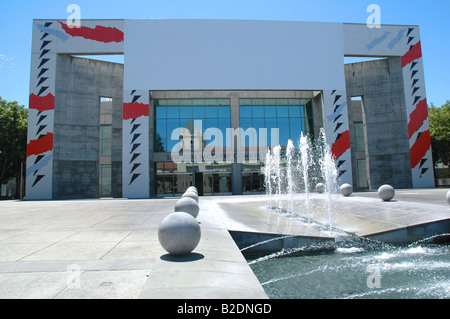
[268, 176]
[277, 173]
[330, 175]
[290, 177]
[304, 150]
[310, 164]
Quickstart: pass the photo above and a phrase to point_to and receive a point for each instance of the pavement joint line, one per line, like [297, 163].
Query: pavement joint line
[365, 208]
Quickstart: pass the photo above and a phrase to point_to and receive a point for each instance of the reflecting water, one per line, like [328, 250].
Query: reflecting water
[358, 268]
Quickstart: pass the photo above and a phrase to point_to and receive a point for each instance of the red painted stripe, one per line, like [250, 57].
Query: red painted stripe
[413, 54]
[99, 33]
[417, 117]
[341, 145]
[41, 145]
[134, 110]
[42, 103]
[420, 148]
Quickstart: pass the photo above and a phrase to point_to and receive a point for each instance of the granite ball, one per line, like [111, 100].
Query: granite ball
[179, 233]
[187, 205]
[192, 189]
[346, 190]
[448, 197]
[320, 188]
[190, 194]
[386, 192]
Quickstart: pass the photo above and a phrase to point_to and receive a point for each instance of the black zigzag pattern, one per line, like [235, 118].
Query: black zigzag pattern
[41, 120]
[134, 146]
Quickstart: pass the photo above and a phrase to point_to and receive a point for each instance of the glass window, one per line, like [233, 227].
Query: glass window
[223, 124]
[296, 128]
[182, 113]
[161, 136]
[224, 112]
[282, 111]
[271, 122]
[198, 112]
[161, 112]
[246, 111]
[286, 115]
[211, 102]
[172, 125]
[271, 111]
[246, 102]
[309, 108]
[309, 125]
[359, 136]
[294, 102]
[252, 179]
[186, 123]
[258, 123]
[294, 111]
[246, 123]
[209, 123]
[173, 112]
[258, 111]
[223, 102]
[283, 125]
[282, 102]
[186, 112]
[211, 112]
[105, 140]
[198, 102]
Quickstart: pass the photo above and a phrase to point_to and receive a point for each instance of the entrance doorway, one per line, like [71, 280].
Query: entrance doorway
[173, 179]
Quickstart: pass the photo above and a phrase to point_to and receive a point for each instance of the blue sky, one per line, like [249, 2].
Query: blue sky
[431, 16]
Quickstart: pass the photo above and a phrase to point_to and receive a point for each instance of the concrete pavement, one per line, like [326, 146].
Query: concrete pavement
[109, 248]
[78, 249]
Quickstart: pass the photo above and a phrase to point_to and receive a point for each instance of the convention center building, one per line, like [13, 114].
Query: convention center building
[237, 87]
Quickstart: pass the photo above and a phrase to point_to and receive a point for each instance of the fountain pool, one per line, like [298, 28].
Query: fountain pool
[360, 269]
[350, 267]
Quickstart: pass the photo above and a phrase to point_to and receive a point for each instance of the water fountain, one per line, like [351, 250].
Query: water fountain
[304, 151]
[268, 177]
[300, 169]
[290, 174]
[329, 173]
[277, 173]
[420, 270]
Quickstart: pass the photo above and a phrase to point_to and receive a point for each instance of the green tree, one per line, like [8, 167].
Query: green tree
[159, 145]
[13, 139]
[440, 132]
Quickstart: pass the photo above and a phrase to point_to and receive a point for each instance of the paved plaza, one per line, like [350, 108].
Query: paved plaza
[109, 248]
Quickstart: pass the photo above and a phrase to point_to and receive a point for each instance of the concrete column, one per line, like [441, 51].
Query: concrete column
[236, 168]
[136, 161]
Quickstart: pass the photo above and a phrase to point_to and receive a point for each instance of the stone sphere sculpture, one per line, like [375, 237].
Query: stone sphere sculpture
[192, 189]
[448, 197]
[190, 194]
[346, 190]
[320, 188]
[187, 205]
[386, 192]
[179, 233]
